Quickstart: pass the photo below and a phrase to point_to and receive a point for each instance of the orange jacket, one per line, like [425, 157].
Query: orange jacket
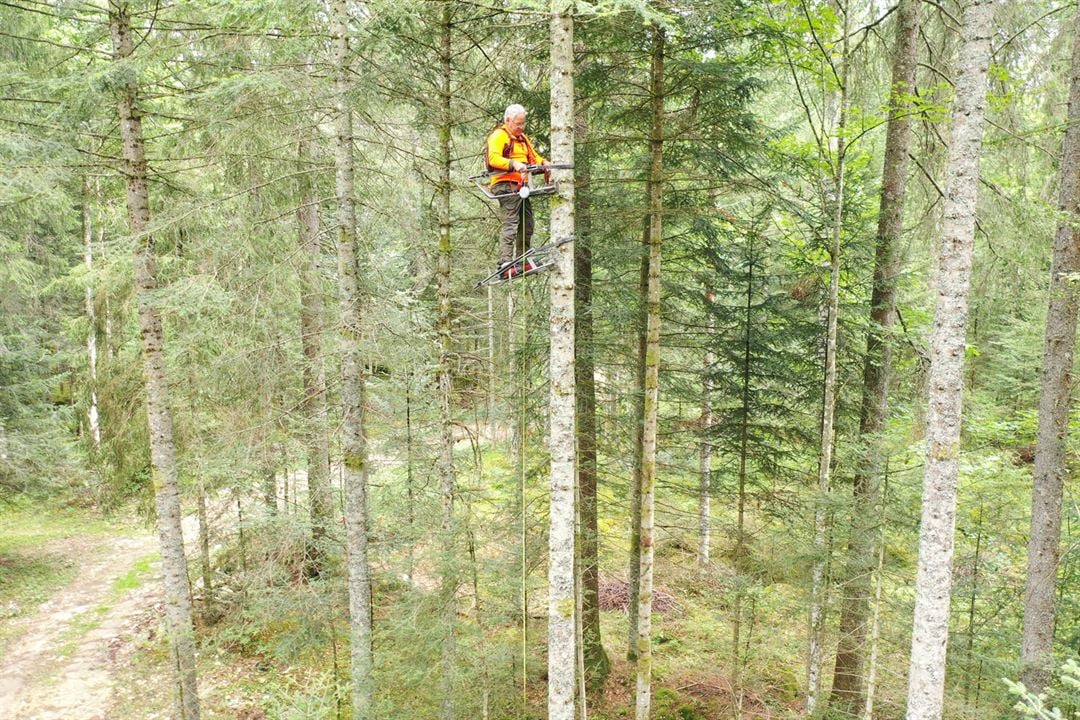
[500, 151]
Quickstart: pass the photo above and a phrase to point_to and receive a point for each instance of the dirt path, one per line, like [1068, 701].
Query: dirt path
[60, 665]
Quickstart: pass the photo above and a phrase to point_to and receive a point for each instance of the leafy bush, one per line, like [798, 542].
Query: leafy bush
[1047, 706]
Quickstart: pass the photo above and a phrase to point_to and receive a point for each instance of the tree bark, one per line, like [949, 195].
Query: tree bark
[638, 411]
[92, 417]
[933, 585]
[491, 389]
[705, 449]
[311, 331]
[158, 413]
[875, 619]
[973, 598]
[820, 583]
[597, 664]
[847, 690]
[266, 442]
[1055, 401]
[410, 482]
[447, 479]
[204, 554]
[285, 487]
[652, 372]
[270, 489]
[739, 551]
[354, 440]
[562, 650]
[110, 345]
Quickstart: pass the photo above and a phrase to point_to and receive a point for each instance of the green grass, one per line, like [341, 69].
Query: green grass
[27, 579]
[26, 525]
[137, 576]
[33, 565]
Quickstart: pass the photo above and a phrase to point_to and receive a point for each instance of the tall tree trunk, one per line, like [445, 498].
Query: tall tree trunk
[847, 690]
[110, 344]
[446, 347]
[705, 449]
[204, 554]
[107, 320]
[285, 488]
[652, 376]
[973, 598]
[481, 624]
[579, 659]
[1055, 400]
[158, 414]
[485, 676]
[266, 440]
[597, 664]
[739, 551]
[638, 411]
[933, 585]
[354, 440]
[92, 417]
[491, 390]
[562, 651]
[875, 620]
[820, 581]
[269, 469]
[240, 541]
[311, 331]
[516, 339]
[410, 491]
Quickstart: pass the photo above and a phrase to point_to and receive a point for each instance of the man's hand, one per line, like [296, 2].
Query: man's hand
[517, 166]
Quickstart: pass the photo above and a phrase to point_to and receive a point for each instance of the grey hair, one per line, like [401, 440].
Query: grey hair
[513, 111]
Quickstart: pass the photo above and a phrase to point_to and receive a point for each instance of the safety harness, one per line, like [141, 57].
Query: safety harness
[507, 152]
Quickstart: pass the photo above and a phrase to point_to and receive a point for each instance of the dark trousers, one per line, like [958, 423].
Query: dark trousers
[517, 221]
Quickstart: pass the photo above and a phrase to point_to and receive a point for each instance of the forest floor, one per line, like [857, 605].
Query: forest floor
[61, 656]
[82, 639]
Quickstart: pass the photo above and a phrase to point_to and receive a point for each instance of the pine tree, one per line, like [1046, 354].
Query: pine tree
[562, 609]
[447, 480]
[312, 323]
[158, 413]
[597, 664]
[652, 384]
[760, 377]
[926, 678]
[1055, 402]
[837, 160]
[354, 440]
[705, 451]
[92, 414]
[847, 690]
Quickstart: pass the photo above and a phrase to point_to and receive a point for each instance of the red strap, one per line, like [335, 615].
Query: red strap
[508, 149]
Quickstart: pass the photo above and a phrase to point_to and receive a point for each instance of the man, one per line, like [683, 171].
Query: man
[509, 149]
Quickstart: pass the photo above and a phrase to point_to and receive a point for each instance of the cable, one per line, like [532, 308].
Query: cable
[521, 452]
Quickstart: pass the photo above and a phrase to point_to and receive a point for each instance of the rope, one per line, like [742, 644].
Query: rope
[524, 378]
